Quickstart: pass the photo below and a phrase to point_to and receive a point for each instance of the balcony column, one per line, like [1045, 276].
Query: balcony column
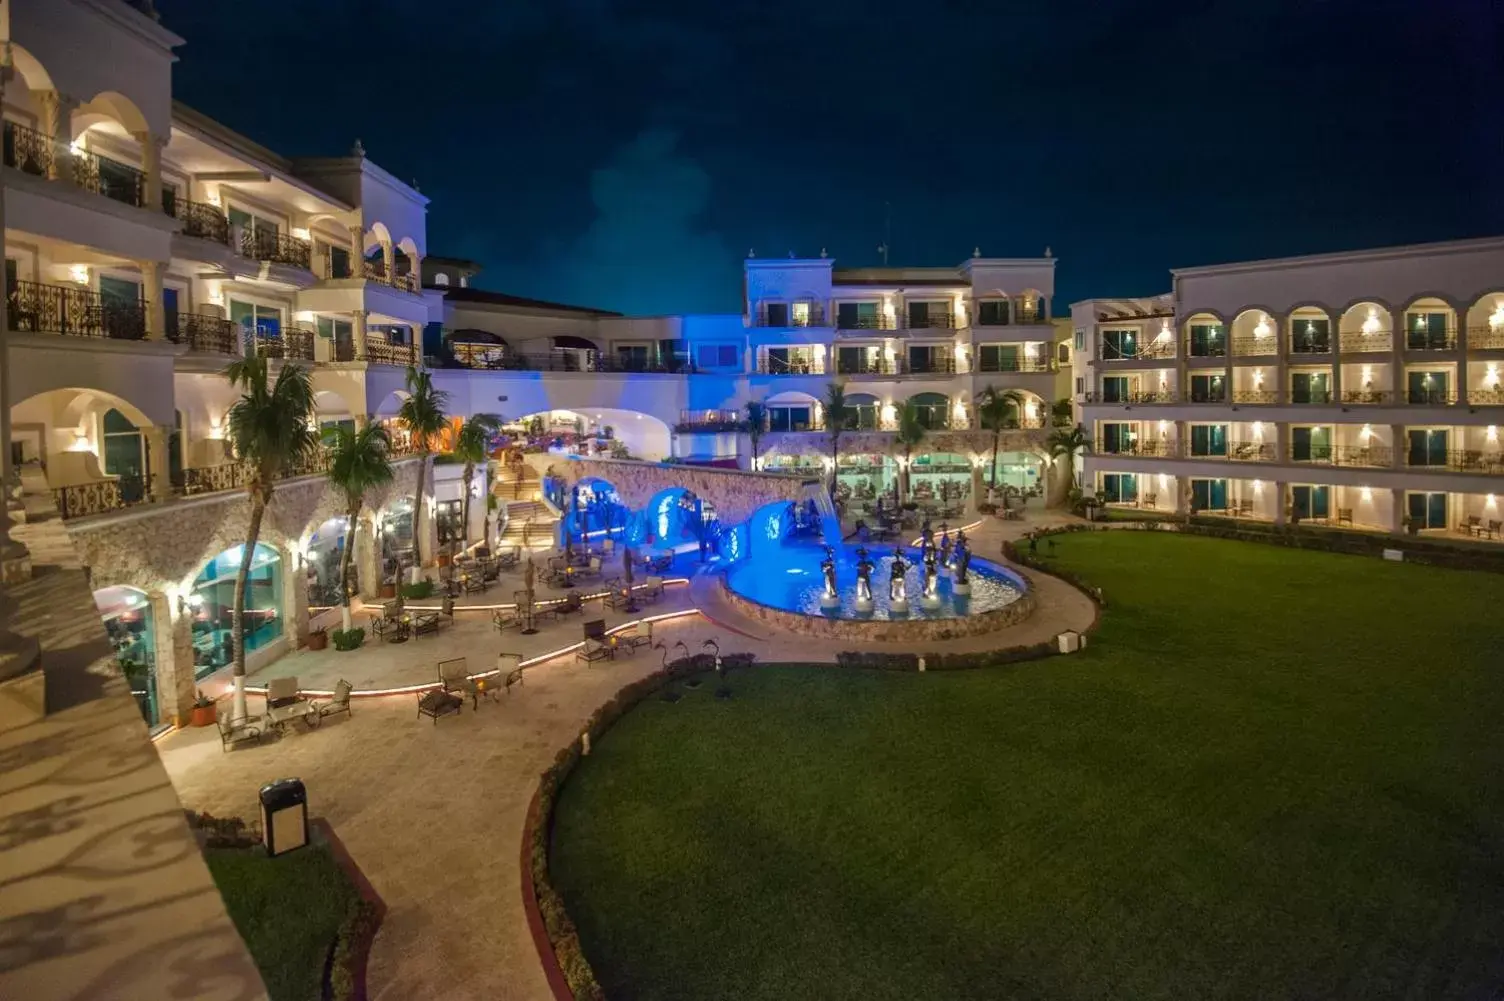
[152, 273]
[1281, 441]
[357, 252]
[1462, 383]
[358, 334]
[151, 166]
[415, 266]
[1334, 319]
[1397, 510]
[1281, 359]
[1397, 446]
[388, 262]
[1398, 390]
[173, 624]
[55, 123]
[1281, 491]
[294, 596]
[157, 466]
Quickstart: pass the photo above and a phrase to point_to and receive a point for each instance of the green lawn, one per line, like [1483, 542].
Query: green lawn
[1275, 774]
[288, 909]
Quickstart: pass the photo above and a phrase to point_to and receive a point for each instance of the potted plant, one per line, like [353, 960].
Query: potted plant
[1412, 525]
[349, 639]
[318, 639]
[203, 709]
[389, 588]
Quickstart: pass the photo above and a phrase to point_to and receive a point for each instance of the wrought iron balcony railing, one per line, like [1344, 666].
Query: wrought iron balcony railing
[1431, 397]
[710, 421]
[102, 496]
[1017, 365]
[1486, 397]
[111, 178]
[209, 334]
[1135, 397]
[933, 321]
[1255, 347]
[1367, 396]
[1425, 340]
[1302, 344]
[276, 248]
[1470, 460]
[28, 150]
[934, 366]
[1357, 342]
[877, 321]
[384, 352]
[209, 479]
[73, 312]
[813, 316]
[867, 367]
[1251, 451]
[1144, 350]
[1146, 448]
[1255, 396]
[289, 344]
[375, 271]
[771, 366]
[201, 220]
[1485, 338]
[1302, 397]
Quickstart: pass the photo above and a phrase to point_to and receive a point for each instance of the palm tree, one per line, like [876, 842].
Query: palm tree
[471, 445]
[995, 408]
[837, 418]
[757, 419]
[359, 461]
[911, 431]
[422, 413]
[1069, 443]
[271, 430]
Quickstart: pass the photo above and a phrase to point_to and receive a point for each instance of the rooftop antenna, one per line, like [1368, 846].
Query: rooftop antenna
[886, 245]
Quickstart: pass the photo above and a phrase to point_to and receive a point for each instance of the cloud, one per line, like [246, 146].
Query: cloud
[647, 250]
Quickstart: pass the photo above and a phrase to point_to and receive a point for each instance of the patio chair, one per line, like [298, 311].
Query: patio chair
[507, 618]
[282, 692]
[474, 583]
[512, 677]
[573, 603]
[591, 569]
[490, 571]
[1151, 501]
[661, 562]
[616, 597]
[596, 646]
[636, 638]
[1495, 527]
[1345, 516]
[391, 609]
[652, 589]
[454, 678]
[509, 558]
[236, 732]
[1471, 525]
[426, 622]
[340, 702]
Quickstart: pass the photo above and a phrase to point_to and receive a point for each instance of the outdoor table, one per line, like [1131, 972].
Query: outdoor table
[277, 717]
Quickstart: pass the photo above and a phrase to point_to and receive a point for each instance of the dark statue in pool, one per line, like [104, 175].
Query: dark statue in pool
[944, 546]
[963, 563]
[828, 569]
[931, 574]
[863, 576]
[895, 579]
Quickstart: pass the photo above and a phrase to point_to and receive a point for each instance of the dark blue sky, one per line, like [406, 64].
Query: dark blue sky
[626, 153]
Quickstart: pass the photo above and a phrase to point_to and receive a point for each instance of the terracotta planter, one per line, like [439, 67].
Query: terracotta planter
[389, 590]
[443, 559]
[202, 716]
[318, 640]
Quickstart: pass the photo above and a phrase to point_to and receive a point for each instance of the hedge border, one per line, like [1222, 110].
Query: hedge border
[346, 978]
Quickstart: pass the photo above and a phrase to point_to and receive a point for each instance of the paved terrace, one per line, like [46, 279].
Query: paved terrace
[103, 892]
[433, 812]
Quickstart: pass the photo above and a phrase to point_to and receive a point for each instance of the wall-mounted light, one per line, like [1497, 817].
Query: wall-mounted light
[1262, 328]
[79, 273]
[1258, 378]
[1496, 318]
[1491, 433]
[1371, 324]
[1366, 432]
[1367, 494]
[1490, 502]
[1258, 486]
[1258, 430]
[1367, 376]
[1491, 375]
[300, 233]
[1164, 331]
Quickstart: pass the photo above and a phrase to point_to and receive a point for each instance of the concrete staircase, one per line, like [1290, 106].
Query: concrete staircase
[531, 519]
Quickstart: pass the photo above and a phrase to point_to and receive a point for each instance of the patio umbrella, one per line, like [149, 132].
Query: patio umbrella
[626, 562]
[527, 593]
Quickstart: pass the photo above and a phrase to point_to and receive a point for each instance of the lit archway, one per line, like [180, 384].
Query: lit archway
[212, 600]
[131, 626]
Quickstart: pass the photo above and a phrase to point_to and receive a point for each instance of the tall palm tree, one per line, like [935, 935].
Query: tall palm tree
[911, 431]
[271, 430]
[1068, 443]
[996, 408]
[422, 413]
[472, 445]
[837, 419]
[757, 419]
[359, 461]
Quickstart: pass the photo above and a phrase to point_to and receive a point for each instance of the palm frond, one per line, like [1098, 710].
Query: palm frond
[359, 461]
[423, 413]
[271, 426]
[470, 444]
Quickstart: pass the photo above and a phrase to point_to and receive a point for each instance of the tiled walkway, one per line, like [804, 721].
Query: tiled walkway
[433, 812]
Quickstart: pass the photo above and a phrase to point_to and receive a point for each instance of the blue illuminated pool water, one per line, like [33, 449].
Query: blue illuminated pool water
[789, 577]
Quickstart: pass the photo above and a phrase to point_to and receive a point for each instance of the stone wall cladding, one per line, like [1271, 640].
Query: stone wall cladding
[888, 630]
[155, 547]
[882, 443]
[735, 494]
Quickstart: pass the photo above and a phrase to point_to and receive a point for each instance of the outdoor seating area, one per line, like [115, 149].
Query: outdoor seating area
[1475, 527]
[284, 704]
[598, 645]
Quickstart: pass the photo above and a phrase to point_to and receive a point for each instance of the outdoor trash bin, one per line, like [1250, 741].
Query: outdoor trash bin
[284, 815]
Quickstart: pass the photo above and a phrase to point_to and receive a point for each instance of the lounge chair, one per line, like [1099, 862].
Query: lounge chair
[636, 638]
[507, 618]
[454, 677]
[425, 622]
[236, 732]
[340, 702]
[616, 594]
[652, 589]
[282, 692]
[596, 646]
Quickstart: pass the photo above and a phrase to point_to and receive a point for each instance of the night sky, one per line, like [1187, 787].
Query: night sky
[626, 154]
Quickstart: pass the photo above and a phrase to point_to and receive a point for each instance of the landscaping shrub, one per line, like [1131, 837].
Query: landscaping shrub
[417, 592]
[348, 639]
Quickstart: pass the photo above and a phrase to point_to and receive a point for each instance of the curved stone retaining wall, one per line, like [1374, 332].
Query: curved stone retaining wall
[887, 630]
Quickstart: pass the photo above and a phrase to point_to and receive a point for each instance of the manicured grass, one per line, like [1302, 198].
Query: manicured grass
[1275, 774]
[288, 909]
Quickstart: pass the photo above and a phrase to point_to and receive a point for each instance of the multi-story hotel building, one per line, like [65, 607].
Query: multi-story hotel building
[1357, 389]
